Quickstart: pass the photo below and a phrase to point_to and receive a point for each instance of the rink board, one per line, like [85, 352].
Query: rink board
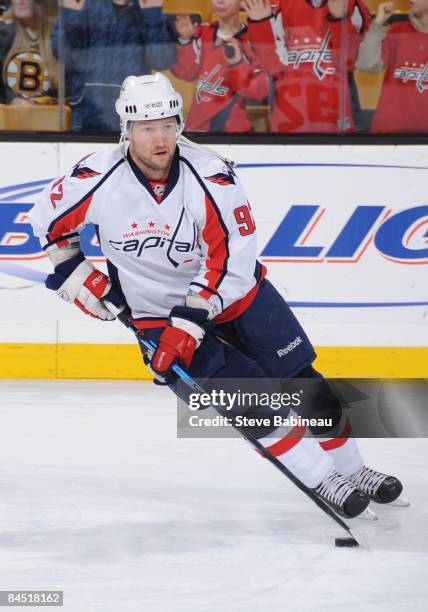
[343, 231]
[122, 361]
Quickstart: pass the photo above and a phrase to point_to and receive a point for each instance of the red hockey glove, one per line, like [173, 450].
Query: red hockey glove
[178, 341]
[76, 280]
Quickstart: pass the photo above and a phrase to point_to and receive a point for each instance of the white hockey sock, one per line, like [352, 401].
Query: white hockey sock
[343, 450]
[302, 456]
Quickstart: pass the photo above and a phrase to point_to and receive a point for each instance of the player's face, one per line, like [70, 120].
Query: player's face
[23, 9]
[226, 8]
[152, 144]
[418, 7]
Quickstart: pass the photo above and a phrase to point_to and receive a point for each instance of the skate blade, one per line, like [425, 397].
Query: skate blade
[368, 515]
[400, 502]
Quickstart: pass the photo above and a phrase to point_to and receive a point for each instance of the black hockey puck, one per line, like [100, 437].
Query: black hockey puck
[345, 542]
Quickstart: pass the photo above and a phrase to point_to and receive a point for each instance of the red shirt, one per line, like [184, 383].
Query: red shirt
[221, 89]
[403, 104]
[302, 47]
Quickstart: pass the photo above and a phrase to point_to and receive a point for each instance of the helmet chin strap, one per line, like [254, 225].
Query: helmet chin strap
[124, 127]
[122, 145]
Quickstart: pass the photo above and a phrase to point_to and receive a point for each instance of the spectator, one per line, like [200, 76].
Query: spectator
[309, 47]
[27, 66]
[5, 11]
[104, 41]
[402, 49]
[221, 57]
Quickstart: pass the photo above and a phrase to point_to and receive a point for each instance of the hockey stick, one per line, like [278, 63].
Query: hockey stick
[23, 272]
[150, 346]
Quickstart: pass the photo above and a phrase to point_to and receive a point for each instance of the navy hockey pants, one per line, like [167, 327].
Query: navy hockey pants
[265, 341]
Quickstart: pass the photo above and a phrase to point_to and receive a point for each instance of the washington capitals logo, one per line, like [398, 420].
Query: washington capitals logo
[316, 55]
[223, 178]
[81, 171]
[210, 84]
[418, 74]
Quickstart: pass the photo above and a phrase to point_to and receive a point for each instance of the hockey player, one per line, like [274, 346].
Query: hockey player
[176, 228]
[309, 47]
[219, 55]
[401, 48]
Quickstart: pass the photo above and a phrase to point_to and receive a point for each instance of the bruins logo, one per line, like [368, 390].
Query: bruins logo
[26, 73]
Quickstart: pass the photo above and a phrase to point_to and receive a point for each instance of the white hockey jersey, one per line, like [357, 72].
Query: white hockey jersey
[200, 237]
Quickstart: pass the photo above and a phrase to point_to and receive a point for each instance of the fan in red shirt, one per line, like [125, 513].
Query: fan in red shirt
[221, 58]
[309, 47]
[402, 49]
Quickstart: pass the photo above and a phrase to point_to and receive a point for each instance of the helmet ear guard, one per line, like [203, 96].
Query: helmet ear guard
[146, 98]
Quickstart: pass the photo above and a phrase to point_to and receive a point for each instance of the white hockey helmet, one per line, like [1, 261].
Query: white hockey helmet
[147, 97]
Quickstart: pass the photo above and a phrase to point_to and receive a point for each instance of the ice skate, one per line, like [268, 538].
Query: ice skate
[380, 488]
[342, 495]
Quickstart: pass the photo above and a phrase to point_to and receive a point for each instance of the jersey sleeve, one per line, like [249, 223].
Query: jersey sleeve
[347, 33]
[67, 204]
[375, 50]
[268, 39]
[158, 39]
[70, 29]
[188, 58]
[226, 233]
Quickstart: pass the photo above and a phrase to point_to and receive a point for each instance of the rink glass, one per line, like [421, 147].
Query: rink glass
[44, 88]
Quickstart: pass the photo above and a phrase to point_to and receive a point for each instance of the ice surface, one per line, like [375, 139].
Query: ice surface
[100, 499]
